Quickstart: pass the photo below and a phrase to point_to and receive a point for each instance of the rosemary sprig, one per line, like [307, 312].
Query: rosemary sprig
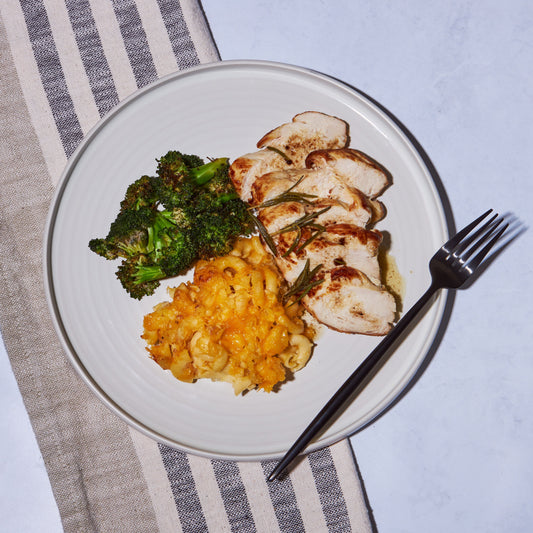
[264, 233]
[306, 221]
[319, 229]
[300, 197]
[288, 160]
[289, 196]
[303, 283]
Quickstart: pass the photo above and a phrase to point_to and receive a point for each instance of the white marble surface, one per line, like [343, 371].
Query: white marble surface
[455, 453]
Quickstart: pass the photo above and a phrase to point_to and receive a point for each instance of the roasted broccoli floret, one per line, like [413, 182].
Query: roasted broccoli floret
[177, 258]
[161, 233]
[211, 172]
[175, 165]
[188, 211]
[141, 193]
[171, 253]
[139, 276]
[217, 230]
[181, 184]
[127, 235]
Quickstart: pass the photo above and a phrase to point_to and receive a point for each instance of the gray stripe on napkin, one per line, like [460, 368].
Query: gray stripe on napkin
[327, 483]
[284, 501]
[234, 496]
[184, 490]
[82, 443]
[92, 55]
[179, 35]
[51, 73]
[135, 41]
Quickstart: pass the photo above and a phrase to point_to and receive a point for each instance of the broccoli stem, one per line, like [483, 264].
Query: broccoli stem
[163, 220]
[227, 197]
[144, 273]
[204, 173]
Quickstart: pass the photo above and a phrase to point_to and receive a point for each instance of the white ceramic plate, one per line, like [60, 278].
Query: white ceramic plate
[222, 109]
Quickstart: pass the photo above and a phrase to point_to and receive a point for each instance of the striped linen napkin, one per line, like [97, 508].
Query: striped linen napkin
[63, 65]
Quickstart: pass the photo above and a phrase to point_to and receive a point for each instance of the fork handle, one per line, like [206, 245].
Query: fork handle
[352, 384]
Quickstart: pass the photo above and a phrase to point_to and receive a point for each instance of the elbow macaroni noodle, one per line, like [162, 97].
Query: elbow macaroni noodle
[229, 324]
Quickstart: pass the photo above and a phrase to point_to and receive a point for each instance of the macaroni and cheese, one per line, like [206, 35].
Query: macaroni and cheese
[230, 323]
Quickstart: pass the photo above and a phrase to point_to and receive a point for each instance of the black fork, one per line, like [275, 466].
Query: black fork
[451, 266]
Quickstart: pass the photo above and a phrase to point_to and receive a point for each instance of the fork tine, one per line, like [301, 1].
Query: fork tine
[481, 235]
[465, 231]
[476, 260]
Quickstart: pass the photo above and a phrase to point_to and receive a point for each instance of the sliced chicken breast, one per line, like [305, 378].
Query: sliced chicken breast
[281, 215]
[246, 169]
[337, 187]
[338, 245]
[307, 132]
[353, 167]
[324, 186]
[287, 146]
[328, 212]
[347, 245]
[337, 212]
[274, 184]
[348, 301]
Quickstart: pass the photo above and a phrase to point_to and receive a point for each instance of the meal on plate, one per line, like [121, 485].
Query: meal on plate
[279, 237]
[233, 322]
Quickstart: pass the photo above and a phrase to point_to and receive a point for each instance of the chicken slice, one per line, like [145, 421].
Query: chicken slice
[349, 302]
[351, 298]
[307, 132]
[294, 140]
[324, 186]
[275, 183]
[347, 245]
[338, 245]
[247, 168]
[281, 215]
[353, 167]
